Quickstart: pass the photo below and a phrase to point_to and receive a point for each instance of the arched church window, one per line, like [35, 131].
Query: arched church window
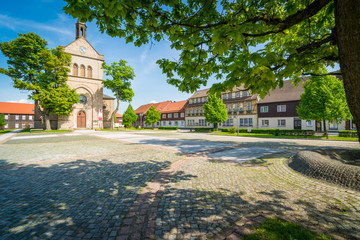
[75, 70]
[82, 71]
[89, 72]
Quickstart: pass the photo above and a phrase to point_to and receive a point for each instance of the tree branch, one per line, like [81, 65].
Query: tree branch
[324, 74]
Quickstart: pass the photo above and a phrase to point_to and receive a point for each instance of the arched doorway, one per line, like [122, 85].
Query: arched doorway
[81, 119]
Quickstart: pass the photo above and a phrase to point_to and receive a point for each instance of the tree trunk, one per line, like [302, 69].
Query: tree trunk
[215, 126]
[47, 122]
[114, 113]
[347, 26]
[325, 131]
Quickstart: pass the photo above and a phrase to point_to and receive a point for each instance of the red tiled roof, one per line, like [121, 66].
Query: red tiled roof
[174, 107]
[17, 108]
[118, 115]
[158, 107]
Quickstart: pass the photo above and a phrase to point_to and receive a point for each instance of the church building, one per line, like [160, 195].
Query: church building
[86, 76]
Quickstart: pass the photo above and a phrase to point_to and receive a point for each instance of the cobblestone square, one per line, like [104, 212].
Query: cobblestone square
[115, 185]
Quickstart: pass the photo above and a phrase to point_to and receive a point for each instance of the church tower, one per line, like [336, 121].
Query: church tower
[80, 29]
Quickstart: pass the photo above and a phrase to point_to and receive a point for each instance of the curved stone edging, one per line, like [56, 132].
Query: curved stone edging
[317, 166]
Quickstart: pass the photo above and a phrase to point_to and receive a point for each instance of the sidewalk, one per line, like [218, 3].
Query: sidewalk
[6, 136]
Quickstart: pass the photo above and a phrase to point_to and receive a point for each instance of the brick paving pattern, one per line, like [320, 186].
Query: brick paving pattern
[151, 192]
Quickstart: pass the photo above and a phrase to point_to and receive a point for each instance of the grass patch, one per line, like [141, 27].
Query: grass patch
[6, 131]
[276, 229]
[262, 135]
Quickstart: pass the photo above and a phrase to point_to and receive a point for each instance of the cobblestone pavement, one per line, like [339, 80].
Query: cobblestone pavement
[144, 189]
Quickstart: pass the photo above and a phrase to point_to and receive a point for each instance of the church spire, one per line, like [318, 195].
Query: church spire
[80, 29]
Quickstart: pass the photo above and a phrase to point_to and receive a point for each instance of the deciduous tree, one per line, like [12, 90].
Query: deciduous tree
[120, 83]
[41, 71]
[324, 100]
[152, 116]
[129, 117]
[215, 110]
[2, 121]
[258, 43]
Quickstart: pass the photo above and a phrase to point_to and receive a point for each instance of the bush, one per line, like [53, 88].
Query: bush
[348, 133]
[276, 132]
[232, 130]
[168, 128]
[204, 129]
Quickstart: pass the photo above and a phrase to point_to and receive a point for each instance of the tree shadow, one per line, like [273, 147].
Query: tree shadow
[74, 199]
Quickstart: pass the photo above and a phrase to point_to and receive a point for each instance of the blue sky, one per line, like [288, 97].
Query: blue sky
[46, 18]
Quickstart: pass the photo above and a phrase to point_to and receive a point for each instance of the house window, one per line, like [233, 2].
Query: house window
[229, 122]
[230, 95]
[193, 110]
[182, 114]
[265, 123]
[241, 107]
[281, 123]
[24, 125]
[169, 115]
[164, 116]
[169, 123]
[281, 108]
[189, 111]
[237, 94]
[23, 117]
[16, 125]
[30, 117]
[6, 117]
[89, 72]
[248, 106]
[204, 99]
[82, 71]
[246, 121]
[264, 109]
[333, 125]
[201, 110]
[176, 115]
[75, 70]
[244, 94]
[224, 96]
[16, 117]
[309, 123]
[235, 106]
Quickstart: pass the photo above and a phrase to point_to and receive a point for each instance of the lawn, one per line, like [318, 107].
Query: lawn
[27, 130]
[261, 135]
[6, 131]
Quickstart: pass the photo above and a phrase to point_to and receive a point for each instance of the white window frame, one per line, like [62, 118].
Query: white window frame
[265, 121]
[176, 115]
[6, 117]
[16, 117]
[23, 117]
[30, 117]
[264, 109]
[182, 115]
[247, 106]
[281, 108]
[16, 125]
[309, 123]
[6, 126]
[169, 115]
[280, 123]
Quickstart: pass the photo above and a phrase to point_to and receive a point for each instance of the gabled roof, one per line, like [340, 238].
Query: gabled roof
[83, 39]
[174, 107]
[200, 93]
[118, 115]
[158, 107]
[285, 94]
[107, 97]
[17, 108]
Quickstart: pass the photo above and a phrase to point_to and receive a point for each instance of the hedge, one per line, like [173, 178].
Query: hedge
[207, 129]
[168, 128]
[276, 132]
[348, 133]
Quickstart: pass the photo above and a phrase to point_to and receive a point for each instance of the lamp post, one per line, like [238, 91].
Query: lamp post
[237, 124]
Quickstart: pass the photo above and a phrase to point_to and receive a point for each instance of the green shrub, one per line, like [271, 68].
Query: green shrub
[168, 128]
[276, 132]
[348, 133]
[207, 129]
[233, 130]
[224, 130]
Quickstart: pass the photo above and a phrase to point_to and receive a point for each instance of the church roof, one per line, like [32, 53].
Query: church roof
[16, 108]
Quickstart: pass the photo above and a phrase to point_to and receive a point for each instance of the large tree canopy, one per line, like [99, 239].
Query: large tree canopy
[256, 42]
[215, 110]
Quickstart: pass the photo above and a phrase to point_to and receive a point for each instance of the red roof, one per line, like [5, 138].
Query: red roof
[158, 107]
[118, 115]
[16, 108]
[175, 107]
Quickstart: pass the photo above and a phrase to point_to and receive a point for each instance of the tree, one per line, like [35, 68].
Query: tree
[129, 116]
[215, 110]
[323, 100]
[41, 71]
[120, 84]
[152, 116]
[2, 121]
[258, 43]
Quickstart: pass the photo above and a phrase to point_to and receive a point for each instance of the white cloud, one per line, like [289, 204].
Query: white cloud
[17, 24]
[143, 56]
[153, 101]
[21, 101]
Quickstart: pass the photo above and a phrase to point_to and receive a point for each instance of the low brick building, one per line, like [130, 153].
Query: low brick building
[17, 115]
